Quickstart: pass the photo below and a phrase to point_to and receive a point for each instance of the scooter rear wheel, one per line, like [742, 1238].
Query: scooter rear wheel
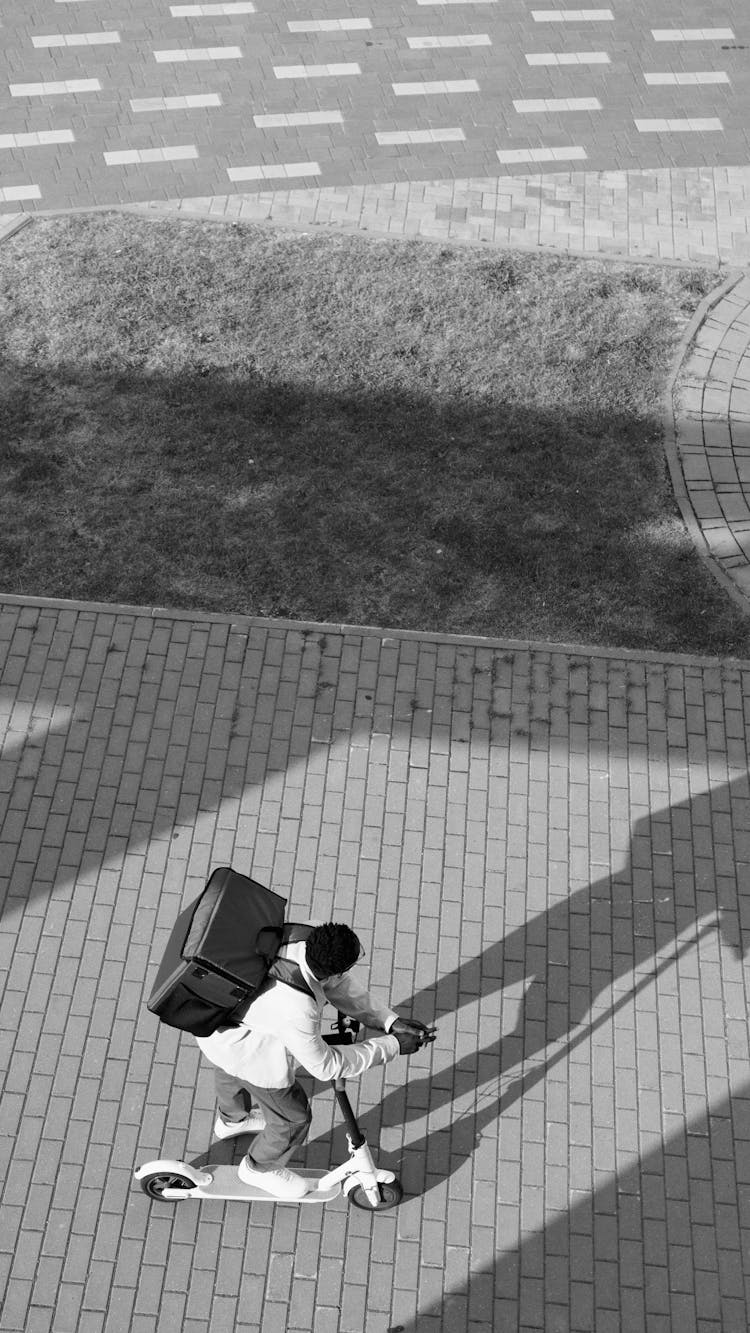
[391, 1195]
[159, 1181]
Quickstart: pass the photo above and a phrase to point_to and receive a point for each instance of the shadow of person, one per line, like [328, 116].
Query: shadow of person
[577, 963]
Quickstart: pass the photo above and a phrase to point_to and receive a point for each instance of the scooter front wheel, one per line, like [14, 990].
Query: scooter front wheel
[155, 1184]
[390, 1192]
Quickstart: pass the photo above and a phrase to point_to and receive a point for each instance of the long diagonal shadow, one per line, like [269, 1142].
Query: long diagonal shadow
[568, 955]
[678, 879]
[657, 1246]
[423, 1156]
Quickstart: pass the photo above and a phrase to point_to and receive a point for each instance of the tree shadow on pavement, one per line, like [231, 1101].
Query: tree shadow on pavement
[582, 962]
[388, 507]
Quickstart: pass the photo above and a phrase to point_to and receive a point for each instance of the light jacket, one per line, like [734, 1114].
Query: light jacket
[282, 1031]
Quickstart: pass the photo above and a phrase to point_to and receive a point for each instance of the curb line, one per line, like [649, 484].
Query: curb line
[9, 226]
[671, 449]
[159, 210]
[247, 623]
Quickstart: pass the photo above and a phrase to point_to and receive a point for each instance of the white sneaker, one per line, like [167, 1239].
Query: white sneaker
[282, 1184]
[253, 1123]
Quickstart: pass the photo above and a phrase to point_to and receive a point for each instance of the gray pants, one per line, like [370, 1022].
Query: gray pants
[287, 1113]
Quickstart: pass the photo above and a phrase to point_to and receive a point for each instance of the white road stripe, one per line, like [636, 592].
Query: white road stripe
[436, 86]
[692, 34]
[434, 43]
[569, 58]
[328, 25]
[281, 171]
[706, 76]
[182, 103]
[198, 53]
[679, 126]
[558, 104]
[281, 120]
[77, 39]
[36, 138]
[420, 136]
[509, 155]
[10, 193]
[209, 11]
[315, 71]
[57, 86]
[128, 156]
[572, 15]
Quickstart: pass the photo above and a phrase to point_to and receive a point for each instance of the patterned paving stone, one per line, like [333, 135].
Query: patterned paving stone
[623, 88]
[699, 214]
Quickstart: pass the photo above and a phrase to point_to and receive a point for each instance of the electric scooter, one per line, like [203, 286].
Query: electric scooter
[361, 1181]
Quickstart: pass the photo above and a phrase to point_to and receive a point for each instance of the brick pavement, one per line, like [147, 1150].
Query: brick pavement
[547, 849]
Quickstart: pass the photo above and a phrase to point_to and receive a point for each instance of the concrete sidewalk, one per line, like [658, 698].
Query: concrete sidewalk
[545, 849]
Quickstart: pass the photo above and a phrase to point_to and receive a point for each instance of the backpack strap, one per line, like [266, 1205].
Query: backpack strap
[283, 969]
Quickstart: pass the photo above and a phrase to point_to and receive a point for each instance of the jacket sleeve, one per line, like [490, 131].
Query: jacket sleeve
[352, 999]
[304, 1042]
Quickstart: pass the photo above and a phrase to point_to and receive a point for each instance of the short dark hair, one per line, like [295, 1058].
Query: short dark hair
[331, 949]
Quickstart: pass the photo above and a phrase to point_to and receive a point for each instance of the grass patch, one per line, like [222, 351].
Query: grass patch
[240, 420]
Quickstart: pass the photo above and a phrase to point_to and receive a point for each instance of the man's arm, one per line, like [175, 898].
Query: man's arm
[303, 1040]
[353, 999]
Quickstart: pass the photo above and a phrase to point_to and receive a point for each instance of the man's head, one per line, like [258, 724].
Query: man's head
[331, 950]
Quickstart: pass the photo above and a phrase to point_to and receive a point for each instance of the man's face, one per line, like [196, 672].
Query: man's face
[335, 978]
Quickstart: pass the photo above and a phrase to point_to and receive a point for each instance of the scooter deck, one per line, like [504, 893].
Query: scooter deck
[226, 1184]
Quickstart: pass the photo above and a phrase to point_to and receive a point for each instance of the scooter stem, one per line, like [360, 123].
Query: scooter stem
[356, 1137]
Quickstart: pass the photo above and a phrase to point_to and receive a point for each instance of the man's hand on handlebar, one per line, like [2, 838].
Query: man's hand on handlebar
[412, 1035]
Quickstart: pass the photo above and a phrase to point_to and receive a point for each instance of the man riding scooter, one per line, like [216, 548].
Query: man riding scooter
[256, 1060]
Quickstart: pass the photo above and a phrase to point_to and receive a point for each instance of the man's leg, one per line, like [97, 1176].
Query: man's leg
[233, 1097]
[288, 1116]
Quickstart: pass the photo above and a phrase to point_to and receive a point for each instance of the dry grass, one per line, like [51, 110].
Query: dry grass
[323, 427]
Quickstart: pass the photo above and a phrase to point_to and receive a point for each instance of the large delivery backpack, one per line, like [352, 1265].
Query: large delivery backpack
[221, 951]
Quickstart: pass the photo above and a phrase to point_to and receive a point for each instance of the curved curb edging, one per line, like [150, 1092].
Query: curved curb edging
[671, 447]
